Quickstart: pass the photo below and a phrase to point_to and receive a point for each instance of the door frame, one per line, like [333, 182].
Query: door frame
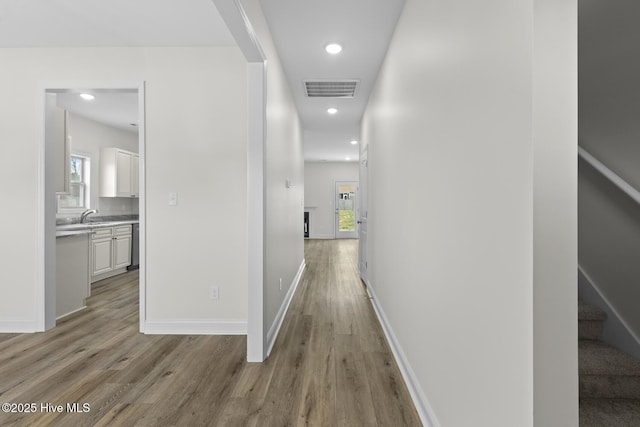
[363, 220]
[350, 234]
[45, 292]
[238, 24]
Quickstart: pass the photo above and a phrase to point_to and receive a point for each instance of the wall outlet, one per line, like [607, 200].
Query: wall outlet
[213, 292]
[281, 283]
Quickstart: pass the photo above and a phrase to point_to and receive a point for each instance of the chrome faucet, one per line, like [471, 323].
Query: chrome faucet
[86, 213]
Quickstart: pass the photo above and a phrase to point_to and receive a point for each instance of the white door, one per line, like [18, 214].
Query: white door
[122, 251]
[346, 209]
[364, 213]
[102, 256]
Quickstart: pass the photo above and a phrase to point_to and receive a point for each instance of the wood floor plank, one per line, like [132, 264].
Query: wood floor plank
[388, 390]
[330, 365]
[318, 405]
[356, 404]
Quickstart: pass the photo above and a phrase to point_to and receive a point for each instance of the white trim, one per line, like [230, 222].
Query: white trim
[609, 174]
[277, 323]
[618, 327]
[236, 20]
[256, 337]
[71, 312]
[243, 33]
[322, 236]
[41, 252]
[196, 327]
[108, 274]
[18, 326]
[425, 411]
[142, 209]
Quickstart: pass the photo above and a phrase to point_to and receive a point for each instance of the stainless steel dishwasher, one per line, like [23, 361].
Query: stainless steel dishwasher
[135, 247]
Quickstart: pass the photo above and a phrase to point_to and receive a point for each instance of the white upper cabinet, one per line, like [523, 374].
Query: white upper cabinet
[119, 171]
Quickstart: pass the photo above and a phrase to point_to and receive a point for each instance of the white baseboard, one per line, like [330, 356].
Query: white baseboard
[277, 323]
[322, 236]
[426, 413]
[196, 327]
[18, 326]
[617, 331]
[108, 274]
[70, 313]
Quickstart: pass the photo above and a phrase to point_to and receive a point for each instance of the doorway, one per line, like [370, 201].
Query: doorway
[48, 209]
[346, 210]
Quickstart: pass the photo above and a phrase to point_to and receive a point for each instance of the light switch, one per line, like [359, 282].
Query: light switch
[173, 199]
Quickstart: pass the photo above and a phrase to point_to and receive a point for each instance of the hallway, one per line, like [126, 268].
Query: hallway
[330, 365]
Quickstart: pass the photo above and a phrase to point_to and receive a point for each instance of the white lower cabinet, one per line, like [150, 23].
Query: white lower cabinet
[110, 251]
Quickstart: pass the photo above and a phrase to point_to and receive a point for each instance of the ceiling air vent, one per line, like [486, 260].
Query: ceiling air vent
[331, 89]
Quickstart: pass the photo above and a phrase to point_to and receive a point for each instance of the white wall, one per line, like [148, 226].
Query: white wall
[283, 153]
[88, 137]
[195, 145]
[555, 207]
[609, 234]
[609, 90]
[452, 262]
[320, 194]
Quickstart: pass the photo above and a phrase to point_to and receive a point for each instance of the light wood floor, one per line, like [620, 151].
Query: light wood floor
[330, 366]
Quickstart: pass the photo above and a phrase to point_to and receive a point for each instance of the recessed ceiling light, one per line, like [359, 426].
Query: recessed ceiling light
[333, 48]
[87, 96]
[354, 142]
[332, 110]
[347, 158]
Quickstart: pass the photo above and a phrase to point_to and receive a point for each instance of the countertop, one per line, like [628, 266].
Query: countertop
[67, 230]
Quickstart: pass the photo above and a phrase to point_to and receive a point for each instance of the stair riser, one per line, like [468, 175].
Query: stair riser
[590, 329]
[609, 386]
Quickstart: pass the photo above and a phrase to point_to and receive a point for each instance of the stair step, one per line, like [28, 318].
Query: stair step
[606, 372]
[590, 329]
[590, 312]
[590, 321]
[609, 412]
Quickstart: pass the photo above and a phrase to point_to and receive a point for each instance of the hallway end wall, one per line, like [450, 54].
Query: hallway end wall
[320, 194]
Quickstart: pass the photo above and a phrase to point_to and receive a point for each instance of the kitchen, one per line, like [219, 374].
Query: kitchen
[98, 190]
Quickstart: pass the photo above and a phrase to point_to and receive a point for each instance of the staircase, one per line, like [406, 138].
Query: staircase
[609, 379]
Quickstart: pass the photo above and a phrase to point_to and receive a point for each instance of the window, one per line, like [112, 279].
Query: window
[78, 197]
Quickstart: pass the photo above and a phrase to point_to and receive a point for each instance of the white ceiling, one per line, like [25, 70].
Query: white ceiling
[83, 23]
[47, 23]
[114, 108]
[300, 30]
